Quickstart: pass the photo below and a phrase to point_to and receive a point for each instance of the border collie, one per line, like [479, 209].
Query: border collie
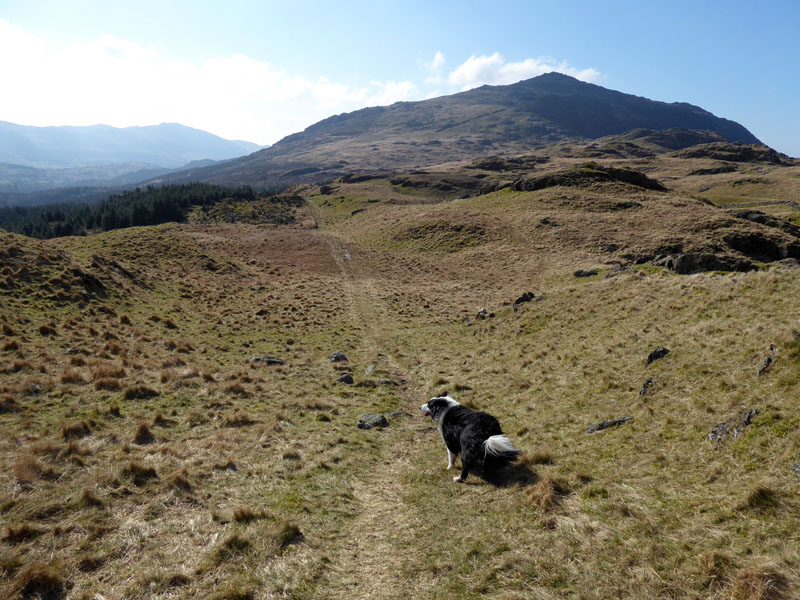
[476, 436]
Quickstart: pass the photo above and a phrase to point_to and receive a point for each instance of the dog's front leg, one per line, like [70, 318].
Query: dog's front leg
[450, 459]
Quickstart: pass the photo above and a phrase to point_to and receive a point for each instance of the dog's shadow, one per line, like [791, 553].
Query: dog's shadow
[513, 475]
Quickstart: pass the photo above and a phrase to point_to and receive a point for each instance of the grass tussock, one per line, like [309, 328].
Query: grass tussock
[39, 581]
[547, 492]
[246, 515]
[762, 497]
[21, 533]
[139, 392]
[143, 435]
[139, 474]
[760, 582]
[72, 376]
[75, 430]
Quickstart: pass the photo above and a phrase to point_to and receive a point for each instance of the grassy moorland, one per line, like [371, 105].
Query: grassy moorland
[145, 455]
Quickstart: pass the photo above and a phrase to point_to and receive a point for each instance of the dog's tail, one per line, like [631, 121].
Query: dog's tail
[501, 447]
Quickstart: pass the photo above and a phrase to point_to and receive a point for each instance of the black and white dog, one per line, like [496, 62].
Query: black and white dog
[476, 436]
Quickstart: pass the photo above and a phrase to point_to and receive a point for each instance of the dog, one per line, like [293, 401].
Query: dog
[475, 435]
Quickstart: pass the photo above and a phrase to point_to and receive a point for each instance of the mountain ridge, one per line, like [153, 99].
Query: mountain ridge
[168, 145]
[463, 126]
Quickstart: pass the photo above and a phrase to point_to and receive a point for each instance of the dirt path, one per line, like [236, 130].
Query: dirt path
[380, 540]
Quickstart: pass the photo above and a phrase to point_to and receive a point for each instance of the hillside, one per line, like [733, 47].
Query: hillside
[169, 145]
[479, 122]
[174, 426]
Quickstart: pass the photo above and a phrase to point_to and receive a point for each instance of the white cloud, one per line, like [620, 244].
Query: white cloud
[494, 70]
[121, 83]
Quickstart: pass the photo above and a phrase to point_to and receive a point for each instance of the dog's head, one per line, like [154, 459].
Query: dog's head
[436, 407]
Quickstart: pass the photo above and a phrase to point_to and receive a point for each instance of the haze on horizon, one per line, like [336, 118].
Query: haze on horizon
[260, 71]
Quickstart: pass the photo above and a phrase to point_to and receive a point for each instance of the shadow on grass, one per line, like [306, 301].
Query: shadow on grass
[513, 475]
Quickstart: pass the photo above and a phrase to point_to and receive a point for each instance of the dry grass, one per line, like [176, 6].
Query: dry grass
[260, 485]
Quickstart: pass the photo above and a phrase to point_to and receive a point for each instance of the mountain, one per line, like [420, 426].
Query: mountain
[464, 126]
[169, 145]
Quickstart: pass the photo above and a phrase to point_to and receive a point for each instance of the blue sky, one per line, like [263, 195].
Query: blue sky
[261, 70]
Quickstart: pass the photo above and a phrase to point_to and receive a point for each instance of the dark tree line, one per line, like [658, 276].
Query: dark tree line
[149, 206]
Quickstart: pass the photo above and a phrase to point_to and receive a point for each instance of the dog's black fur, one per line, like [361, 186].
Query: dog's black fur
[475, 435]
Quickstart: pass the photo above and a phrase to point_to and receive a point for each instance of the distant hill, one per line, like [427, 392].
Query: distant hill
[22, 179]
[490, 120]
[169, 145]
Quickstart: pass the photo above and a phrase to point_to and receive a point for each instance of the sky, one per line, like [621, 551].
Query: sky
[261, 70]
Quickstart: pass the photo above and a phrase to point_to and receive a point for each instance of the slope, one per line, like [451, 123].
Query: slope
[258, 484]
[467, 125]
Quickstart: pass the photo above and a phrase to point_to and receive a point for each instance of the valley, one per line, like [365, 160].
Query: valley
[150, 449]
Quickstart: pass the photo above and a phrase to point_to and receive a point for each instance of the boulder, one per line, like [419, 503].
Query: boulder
[371, 420]
[338, 357]
[267, 360]
[658, 353]
[606, 424]
[648, 383]
[526, 297]
[733, 426]
[585, 273]
[699, 262]
[346, 379]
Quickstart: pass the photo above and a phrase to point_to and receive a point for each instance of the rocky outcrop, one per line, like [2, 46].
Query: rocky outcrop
[698, 262]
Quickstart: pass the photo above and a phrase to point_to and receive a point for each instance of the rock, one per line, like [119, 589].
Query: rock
[789, 263]
[765, 365]
[346, 378]
[370, 420]
[386, 382]
[245, 345]
[267, 360]
[606, 424]
[370, 370]
[397, 413]
[338, 357]
[698, 262]
[733, 426]
[796, 468]
[648, 383]
[585, 273]
[484, 314]
[526, 297]
[618, 269]
[656, 354]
